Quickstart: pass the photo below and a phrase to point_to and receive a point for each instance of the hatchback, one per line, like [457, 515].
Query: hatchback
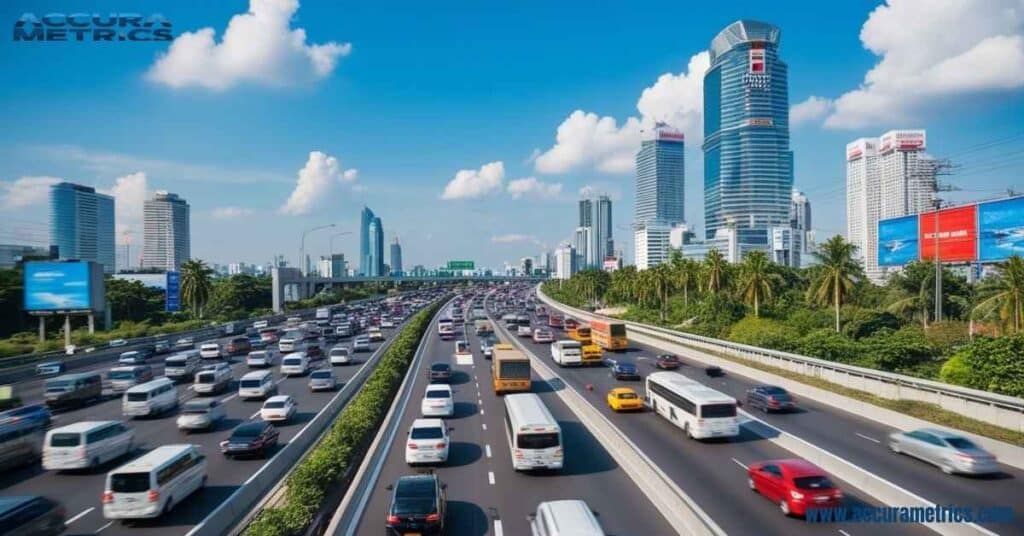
[795, 485]
[322, 380]
[418, 506]
[667, 362]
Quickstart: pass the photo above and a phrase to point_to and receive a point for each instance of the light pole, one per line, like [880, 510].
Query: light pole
[302, 245]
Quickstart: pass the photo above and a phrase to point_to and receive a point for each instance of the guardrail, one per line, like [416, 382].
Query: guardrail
[1001, 410]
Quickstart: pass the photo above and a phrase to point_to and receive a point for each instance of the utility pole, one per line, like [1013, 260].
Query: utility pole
[940, 167]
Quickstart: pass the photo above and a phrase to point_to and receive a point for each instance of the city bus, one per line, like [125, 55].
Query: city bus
[609, 335]
[699, 410]
[510, 369]
[580, 334]
[534, 437]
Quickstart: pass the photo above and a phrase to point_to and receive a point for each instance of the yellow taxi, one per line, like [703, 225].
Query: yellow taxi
[592, 354]
[624, 399]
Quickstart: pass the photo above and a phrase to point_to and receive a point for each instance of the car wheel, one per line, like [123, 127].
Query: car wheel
[894, 447]
[946, 468]
[753, 487]
[784, 507]
[686, 430]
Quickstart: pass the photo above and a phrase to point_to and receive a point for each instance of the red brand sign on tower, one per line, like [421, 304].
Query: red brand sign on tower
[957, 231]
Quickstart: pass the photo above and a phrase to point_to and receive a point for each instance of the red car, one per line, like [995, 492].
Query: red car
[795, 485]
[555, 321]
[667, 362]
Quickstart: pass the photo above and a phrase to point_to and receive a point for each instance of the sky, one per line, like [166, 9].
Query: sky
[471, 128]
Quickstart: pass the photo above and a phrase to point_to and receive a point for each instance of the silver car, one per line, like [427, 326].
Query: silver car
[950, 452]
[203, 414]
[322, 380]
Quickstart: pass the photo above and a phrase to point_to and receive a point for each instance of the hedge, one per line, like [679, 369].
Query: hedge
[309, 482]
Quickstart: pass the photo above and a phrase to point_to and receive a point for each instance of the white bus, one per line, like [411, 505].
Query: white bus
[699, 410]
[534, 437]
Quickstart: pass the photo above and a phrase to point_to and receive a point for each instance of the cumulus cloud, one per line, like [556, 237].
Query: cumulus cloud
[586, 140]
[129, 192]
[930, 49]
[531, 187]
[26, 191]
[474, 183]
[350, 175]
[316, 180]
[812, 109]
[512, 238]
[257, 47]
[230, 213]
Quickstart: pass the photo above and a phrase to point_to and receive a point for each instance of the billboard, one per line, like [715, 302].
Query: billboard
[461, 265]
[63, 287]
[957, 232]
[172, 292]
[1000, 229]
[898, 241]
[902, 140]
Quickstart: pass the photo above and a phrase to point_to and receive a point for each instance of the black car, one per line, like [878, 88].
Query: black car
[253, 438]
[440, 372]
[418, 505]
[31, 514]
[714, 371]
[769, 398]
[667, 362]
[624, 370]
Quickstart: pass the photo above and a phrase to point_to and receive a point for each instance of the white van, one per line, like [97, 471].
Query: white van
[564, 517]
[567, 353]
[260, 324]
[340, 355]
[86, 444]
[258, 384]
[291, 340]
[209, 350]
[182, 366]
[152, 484]
[150, 398]
[295, 364]
[212, 379]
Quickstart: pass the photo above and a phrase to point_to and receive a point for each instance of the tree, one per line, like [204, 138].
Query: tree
[1005, 295]
[684, 274]
[715, 271]
[660, 278]
[621, 285]
[133, 301]
[757, 280]
[838, 272]
[914, 288]
[195, 285]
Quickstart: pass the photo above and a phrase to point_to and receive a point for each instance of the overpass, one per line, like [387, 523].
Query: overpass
[290, 285]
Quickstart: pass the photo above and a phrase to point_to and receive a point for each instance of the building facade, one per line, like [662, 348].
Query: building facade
[166, 235]
[82, 224]
[660, 177]
[565, 262]
[748, 164]
[396, 258]
[581, 242]
[652, 244]
[371, 244]
[596, 216]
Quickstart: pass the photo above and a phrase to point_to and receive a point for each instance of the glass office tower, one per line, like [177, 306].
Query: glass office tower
[82, 224]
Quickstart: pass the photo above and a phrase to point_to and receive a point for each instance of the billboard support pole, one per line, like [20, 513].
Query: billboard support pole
[42, 329]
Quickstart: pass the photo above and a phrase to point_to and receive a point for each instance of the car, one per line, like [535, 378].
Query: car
[32, 413]
[257, 343]
[251, 438]
[374, 334]
[340, 355]
[563, 518]
[294, 364]
[114, 343]
[31, 514]
[794, 484]
[387, 322]
[418, 506]
[624, 370]
[131, 358]
[714, 371]
[123, 378]
[524, 331]
[543, 335]
[209, 350]
[440, 372]
[487, 346]
[278, 408]
[768, 398]
[313, 351]
[570, 324]
[260, 358]
[322, 380]
[201, 414]
[624, 399]
[361, 344]
[667, 362]
[950, 452]
[162, 346]
[50, 368]
[438, 401]
[185, 343]
[428, 442]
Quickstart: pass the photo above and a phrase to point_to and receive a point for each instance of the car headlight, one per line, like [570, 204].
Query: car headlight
[796, 495]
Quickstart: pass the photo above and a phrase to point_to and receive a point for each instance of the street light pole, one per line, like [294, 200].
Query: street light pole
[938, 266]
[302, 246]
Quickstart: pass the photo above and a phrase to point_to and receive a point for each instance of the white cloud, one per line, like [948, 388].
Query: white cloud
[512, 238]
[586, 140]
[258, 46]
[531, 187]
[931, 49]
[812, 109]
[472, 183]
[350, 175]
[316, 180]
[230, 213]
[26, 191]
[129, 193]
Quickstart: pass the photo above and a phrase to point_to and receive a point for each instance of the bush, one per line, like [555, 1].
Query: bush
[859, 323]
[805, 320]
[828, 345]
[991, 364]
[906, 351]
[956, 371]
[765, 333]
[948, 335]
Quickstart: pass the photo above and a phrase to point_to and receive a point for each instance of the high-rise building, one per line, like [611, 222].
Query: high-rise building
[371, 244]
[166, 236]
[652, 244]
[565, 262]
[338, 268]
[526, 266]
[596, 215]
[886, 177]
[82, 224]
[800, 223]
[660, 177]
[396, 258]
[581, 242]
[748, 165]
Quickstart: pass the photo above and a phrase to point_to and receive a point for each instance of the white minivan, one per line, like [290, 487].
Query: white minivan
[210, 350]
[212, 379]
[151, 398]
[295, 364]
[152, 484]
[567, 353]
[258, 384]
[86, 444]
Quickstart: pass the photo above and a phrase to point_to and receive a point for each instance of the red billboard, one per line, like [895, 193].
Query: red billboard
[957, 234]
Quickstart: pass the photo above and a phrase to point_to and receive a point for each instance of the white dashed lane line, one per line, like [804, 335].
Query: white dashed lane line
[739, 463]
[487, 448]
[79, 516]
[490, 477]
[871, 439]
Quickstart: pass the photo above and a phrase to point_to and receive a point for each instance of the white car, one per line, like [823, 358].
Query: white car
[438, 401]
[209, 350]
[260, 358]
[117, 342]
[278, 408]
[524, 331]
[295, 364]
[387, 323]
[375, 334]
[340, 355]
[428, 442]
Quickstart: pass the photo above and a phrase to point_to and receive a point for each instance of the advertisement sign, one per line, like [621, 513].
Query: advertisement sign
[957, 234]
[903, 140]
[57, 286]
[1001, 229]
[172, 294]
[898, 241]
[461, 265]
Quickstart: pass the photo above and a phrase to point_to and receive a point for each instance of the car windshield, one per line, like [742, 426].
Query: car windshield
[246, 431]
[625, 366]
[175, 361]
[206, 377]
[292, 361]
[196, 410]
[251, 383]
[339, 351]
[437, 393]
[275, 404]
[439, 367]
[711, 411]
[137, 397]
[432, 432]
[258, 355]
[813, 482]
[65, 440]
[121, 375]
[537, 441]
[960, 443]
[129, 482]
[774, 391]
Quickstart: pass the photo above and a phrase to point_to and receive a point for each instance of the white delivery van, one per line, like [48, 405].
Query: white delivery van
[258, 384]
[153, 483]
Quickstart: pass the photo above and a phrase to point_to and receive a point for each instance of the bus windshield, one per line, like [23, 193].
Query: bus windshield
[514, 369]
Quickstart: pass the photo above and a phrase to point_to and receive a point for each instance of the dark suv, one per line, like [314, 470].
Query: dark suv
[253, 438]
[418, 505]
[770, 398]
[440, 372]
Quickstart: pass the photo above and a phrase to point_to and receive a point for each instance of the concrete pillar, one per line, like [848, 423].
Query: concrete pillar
[67, 330]
[42, 329]
[92, 323]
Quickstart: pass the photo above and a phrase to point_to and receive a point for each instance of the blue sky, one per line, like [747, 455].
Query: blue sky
[408, 96]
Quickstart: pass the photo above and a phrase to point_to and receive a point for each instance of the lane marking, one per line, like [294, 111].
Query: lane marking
[484, 425]
[843, 532]
[254, 415]
[498, 531]
[79, 516]
[101, 529]
[873, 440]
[228, 398]
[487, 448]
[481, 411]
[490, 477]
[739, 463]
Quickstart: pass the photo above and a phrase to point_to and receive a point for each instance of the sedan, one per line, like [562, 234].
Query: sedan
[428, 442]
[202, 414]
[418, 506]
[185, 343]
[438, 401]
[624, 399]
[524, 331]
[50, 368]
[278, 408]
[794, 484]
[322, 380]
[31, 514]
[361, 344]
[769, 398]
[667, 362]
[253, 438]
[950, 452]
[33, 413]
[440, 372]
[114, 343]
[131, 358]
[624, 370]
[714, 371]
[543, 335]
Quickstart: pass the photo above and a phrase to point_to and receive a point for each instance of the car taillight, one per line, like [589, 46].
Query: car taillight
[517, 453]
[838, 494]
[393, 520]
[440, 445]
[433, 518]
[153, 496]
[412, 446]
[108, 497]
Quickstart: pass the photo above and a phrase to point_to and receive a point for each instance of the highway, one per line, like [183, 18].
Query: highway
[852, 437]
[80, 492]
[485, 495]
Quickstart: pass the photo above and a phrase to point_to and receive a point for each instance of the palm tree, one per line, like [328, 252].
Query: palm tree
[195, 285]
[757, 280]
[715, 267]
[684, 274]
[1006, 295]
[837, 274]
[661, 280]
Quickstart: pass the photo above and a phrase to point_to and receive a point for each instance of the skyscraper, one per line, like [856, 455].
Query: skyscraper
[371, 244]
[82, 224]
[565, 262]
[660, 177]
[396, 258]
[748, 165]
[886, 177]
[166, 239]
[596, 215]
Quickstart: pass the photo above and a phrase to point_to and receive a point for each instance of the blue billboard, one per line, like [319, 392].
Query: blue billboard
[898, 241]
[172, 292]
[1001, 229]
[57, 286]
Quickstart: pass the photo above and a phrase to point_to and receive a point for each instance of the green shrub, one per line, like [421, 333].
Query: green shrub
[992, 364]
[829, 345]
[956, 371]
[765, 333]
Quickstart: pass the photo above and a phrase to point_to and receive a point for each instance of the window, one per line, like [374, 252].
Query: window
[813, 482]
[129, 482]
[427, 433]
[713, 411]
[65, 440]
[137, 397]
[618, 330]
[438, 393]
[537, 441]
[673, 398]
[959, 443]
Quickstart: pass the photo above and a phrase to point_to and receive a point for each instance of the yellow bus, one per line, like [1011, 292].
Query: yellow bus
[581, 334]
[609, 335]
[510, 370]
